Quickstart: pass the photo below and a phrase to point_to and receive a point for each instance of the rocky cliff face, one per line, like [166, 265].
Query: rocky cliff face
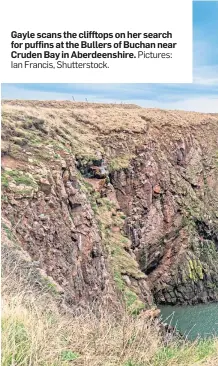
[117, 203]
[169, 194]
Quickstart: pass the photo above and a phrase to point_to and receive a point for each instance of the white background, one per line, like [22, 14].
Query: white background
[102, 16]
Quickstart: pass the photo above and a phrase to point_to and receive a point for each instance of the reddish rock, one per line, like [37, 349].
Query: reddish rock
[115, 229]
[151, 313]
[157, 189]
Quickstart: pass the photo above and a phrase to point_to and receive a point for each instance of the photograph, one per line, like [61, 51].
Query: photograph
[109, 216]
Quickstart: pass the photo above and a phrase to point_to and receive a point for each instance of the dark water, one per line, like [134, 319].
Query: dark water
[193, 321]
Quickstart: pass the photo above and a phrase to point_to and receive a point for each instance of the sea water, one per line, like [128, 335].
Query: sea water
[192, 321]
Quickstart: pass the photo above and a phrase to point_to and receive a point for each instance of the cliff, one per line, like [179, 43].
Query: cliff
[116, 203]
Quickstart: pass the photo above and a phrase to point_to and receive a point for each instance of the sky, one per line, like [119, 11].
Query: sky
[201, 95]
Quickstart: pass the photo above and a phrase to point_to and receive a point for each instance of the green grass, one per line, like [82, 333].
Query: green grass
[19, 178]
[120, 162]
[69, 355]
[197, 351]
[18, 335]
[8, 231]
[4, 180]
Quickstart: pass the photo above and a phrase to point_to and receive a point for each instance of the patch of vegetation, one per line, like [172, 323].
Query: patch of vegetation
[122, 259]
[122, 263]
[8, 231]
[4, 180]
[195, 270]
[17, 333]
[17, 177]
[35, 140]
[49, 285]
[120, 162]
[207, 250]
[57, 156]
[109, 204]
[4, 198]
[88, 188]
[21, 141]
[68, 355]
[133, 304]
[178, 354]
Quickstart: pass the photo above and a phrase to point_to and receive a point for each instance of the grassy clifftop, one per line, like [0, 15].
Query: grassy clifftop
[89, 128]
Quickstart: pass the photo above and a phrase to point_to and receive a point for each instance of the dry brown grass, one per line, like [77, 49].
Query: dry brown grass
[111, 117]
[110, 128]
[35, 333]
[35, 336]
